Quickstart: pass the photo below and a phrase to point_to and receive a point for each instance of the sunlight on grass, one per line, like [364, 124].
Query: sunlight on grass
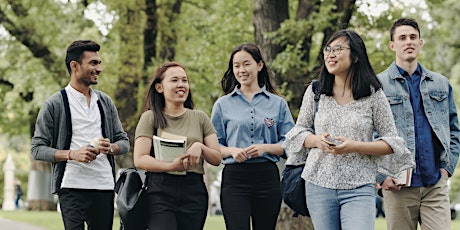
[52, 220]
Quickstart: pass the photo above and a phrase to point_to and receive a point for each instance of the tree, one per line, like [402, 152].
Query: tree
[267, 17]
[21, 21]
[130, 30]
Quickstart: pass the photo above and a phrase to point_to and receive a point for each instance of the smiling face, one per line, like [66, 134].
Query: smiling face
[174, 85]
[88, 70]
[246, 69]
[406, 44]
[338, 64]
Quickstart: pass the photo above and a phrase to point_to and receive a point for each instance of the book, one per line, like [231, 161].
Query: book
[404, 177]
[168, 147]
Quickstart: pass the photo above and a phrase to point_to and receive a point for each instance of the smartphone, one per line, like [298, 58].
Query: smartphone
[329, 143]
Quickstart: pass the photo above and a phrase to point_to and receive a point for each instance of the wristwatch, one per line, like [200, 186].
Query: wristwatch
[111, 149]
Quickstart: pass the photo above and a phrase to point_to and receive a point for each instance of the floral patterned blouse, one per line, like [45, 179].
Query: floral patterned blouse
[356, 120]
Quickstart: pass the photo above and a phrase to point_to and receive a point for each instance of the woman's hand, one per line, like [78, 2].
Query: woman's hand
[180, 163]
[347, 145]
[240, 155]
[194, 154]
[318, 141]
[254, 151]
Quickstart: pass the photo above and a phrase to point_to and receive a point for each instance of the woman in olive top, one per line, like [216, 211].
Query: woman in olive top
[175, 201]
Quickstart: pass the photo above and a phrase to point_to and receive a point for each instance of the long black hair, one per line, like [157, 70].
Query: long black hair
[229, 81]
[155, 101]
[361, 74]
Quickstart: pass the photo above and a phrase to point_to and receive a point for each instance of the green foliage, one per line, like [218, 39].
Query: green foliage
[208, 33]
[34, 79]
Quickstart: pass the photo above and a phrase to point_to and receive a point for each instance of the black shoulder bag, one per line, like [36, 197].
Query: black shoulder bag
[130, 203]
[130, 199]
[292, 184]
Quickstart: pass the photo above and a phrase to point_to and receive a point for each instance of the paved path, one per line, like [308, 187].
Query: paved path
[12, 225]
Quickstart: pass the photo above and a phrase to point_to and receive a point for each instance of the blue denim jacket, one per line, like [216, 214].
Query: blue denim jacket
[440, 109]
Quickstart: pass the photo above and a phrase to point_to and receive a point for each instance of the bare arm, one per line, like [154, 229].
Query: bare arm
[209, 150]
[374, 148]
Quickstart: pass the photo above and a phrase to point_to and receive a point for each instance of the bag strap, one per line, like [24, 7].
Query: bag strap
[152, 153]
[314, 85]
[121, 180]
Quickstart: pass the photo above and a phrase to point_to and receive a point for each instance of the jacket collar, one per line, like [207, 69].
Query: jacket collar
[396, 74]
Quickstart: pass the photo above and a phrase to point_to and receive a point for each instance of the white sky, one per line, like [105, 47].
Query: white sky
[376, 7]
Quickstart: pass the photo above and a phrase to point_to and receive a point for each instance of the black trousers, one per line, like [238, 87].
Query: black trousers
[250, 191]
[176, 202]
[95, 207]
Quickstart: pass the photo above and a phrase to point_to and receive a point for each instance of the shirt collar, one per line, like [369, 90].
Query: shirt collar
[263, 90]
[79, 95]
[418, 70]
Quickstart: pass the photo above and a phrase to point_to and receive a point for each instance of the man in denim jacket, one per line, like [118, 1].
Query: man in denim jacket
[426, 117]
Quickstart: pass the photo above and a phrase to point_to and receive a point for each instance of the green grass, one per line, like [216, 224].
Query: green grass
[52, 220]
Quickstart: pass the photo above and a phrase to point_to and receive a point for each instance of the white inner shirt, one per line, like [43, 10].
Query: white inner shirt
[86, 125]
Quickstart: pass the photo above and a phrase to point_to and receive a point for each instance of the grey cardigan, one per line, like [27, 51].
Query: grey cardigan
[53, 131]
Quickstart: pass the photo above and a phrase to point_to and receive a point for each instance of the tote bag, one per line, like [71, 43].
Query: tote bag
[293, 190]
[130, 204]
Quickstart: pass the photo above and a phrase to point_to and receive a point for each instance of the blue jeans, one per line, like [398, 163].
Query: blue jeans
[341, 209]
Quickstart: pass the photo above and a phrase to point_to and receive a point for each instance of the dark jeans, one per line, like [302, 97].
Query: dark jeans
[95, 207]
[250, 190]
[176, 202]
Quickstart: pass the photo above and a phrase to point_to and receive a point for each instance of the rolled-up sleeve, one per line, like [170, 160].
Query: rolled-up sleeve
[402, 158]
[295, 138]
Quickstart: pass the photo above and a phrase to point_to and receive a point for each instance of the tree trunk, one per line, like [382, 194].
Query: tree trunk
[39, 194]
[268, 16]
[150, 35]
[132, 21]
[287, 222]
[169, 35]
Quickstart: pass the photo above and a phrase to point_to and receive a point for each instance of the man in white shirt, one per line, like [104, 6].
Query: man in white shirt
[78, 130]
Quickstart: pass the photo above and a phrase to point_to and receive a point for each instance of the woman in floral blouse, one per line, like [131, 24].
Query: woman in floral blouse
[340, 177]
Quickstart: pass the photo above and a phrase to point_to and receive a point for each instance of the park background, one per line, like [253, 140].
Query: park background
[138, 35]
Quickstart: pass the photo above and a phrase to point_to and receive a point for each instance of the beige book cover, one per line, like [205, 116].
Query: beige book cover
[404, 177]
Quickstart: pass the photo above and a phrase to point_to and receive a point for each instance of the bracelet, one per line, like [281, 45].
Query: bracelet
[68, 155]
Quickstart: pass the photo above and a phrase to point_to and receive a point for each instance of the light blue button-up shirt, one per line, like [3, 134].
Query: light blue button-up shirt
[241, 123]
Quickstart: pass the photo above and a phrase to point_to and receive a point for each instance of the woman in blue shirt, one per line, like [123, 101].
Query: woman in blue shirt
[251, 121]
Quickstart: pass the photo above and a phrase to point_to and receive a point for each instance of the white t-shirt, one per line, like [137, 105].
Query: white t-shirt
[86, 125]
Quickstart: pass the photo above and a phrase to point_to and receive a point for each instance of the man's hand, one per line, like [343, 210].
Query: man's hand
[391, 184]
[444, 172]
[84, 154]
